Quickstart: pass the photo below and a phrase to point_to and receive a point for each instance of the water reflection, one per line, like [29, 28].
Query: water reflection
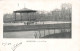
[33, 34]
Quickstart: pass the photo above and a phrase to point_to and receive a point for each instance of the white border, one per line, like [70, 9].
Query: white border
[50, 44]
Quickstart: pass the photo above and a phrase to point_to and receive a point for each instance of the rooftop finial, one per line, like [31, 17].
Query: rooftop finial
[24, 5]
[18, 4]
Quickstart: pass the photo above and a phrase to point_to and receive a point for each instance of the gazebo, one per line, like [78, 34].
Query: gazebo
[24, 10]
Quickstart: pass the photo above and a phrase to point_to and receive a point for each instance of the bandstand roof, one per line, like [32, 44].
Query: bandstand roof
[24, 10]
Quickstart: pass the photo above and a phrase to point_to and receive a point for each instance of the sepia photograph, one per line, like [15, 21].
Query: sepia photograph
[42, 20]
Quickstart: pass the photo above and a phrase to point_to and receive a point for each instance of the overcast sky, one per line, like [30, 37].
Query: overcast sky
[8, 6]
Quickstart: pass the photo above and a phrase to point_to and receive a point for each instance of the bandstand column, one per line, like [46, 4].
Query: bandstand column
[21, 16]
[15, 16]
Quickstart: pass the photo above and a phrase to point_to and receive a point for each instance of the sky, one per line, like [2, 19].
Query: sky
[8, 6]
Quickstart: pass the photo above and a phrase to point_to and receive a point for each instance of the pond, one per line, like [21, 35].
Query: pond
[32, 34]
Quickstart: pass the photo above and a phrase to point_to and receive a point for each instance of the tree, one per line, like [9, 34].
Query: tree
[66, 10]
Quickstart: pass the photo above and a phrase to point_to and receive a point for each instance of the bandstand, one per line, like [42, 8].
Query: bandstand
[24, 10]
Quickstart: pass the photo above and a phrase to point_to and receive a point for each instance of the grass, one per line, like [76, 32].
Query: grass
[36, 27]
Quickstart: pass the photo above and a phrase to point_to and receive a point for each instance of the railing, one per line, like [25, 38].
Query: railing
[62, 27]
